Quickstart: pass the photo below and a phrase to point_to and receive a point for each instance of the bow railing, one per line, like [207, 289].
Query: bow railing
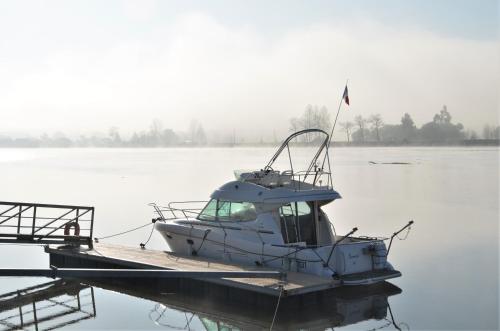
[187, 209]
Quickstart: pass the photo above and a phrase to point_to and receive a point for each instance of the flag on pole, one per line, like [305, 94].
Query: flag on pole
[346, 96]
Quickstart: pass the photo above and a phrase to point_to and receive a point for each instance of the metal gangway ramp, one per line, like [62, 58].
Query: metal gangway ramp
[36, 223]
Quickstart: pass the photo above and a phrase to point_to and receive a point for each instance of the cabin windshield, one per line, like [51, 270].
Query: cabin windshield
[297, 220]
[221, 210]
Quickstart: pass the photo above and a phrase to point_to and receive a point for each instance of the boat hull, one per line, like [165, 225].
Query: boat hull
[355, 263]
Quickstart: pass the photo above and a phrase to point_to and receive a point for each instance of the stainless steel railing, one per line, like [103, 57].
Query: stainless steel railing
[36, 223]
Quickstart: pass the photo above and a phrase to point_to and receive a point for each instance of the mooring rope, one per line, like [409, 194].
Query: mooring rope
[203, 240]
[297, 249]
[396, 325]
[406, 235]
[387, 323]
[276, 310]
[149, 238]
[142, 245]
[124, 232]
[273, 257]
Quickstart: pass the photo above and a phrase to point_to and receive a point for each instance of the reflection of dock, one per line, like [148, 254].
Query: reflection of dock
[47, 306]
[340, 307]
[58, 304]
[115, 256]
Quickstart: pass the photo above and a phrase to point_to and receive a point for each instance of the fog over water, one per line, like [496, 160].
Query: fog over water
[82, 66]
[220, 82]
[449, 261]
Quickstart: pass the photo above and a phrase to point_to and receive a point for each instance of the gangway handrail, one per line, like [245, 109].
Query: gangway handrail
[41, 223]
[43, 205]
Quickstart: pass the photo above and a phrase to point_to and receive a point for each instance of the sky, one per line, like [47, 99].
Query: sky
[79, 67]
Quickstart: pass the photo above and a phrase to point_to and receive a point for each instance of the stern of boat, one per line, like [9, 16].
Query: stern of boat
[360, 261]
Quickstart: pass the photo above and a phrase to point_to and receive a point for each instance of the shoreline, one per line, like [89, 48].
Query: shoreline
[465, 143]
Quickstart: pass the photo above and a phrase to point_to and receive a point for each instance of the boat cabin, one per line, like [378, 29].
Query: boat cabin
[297, 215]
[291, 198]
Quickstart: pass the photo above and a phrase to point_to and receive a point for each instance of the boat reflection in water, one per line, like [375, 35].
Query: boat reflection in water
[61, 303]
[345, 306]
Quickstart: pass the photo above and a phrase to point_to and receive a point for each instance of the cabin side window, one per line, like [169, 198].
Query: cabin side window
[221, 210]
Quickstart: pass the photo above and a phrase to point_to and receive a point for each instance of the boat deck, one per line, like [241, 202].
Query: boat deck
[118, 256]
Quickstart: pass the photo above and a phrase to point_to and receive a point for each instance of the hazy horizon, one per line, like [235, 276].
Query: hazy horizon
[85, 66]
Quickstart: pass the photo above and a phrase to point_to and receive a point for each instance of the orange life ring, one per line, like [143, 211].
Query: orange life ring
[71, 225]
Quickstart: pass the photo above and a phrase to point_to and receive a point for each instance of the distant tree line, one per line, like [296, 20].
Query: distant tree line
[156, 136]
[314, 117]
[441, 130]
[369, 130]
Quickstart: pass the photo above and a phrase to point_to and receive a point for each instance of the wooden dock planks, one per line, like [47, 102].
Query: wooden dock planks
[131, 257]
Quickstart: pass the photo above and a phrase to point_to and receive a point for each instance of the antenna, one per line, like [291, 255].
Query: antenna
[334, 123]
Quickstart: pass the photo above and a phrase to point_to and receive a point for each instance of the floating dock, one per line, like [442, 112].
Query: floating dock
[110, 256]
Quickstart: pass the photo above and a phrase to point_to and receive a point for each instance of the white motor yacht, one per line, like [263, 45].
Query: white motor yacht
[274, 219]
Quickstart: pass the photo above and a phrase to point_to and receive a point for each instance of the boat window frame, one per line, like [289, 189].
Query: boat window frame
[226, 219]
[296, 212]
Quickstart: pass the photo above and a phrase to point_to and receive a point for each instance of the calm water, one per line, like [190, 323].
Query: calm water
[449, 261]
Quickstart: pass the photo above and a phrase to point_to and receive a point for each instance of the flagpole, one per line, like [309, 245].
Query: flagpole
[334, 123]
